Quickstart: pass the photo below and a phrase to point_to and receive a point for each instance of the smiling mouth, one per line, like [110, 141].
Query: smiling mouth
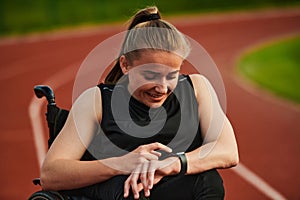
[156, 97]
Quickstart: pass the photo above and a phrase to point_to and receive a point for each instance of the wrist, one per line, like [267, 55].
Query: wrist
[171, 166]
[115, 163]
[176, 166]
[179, 163]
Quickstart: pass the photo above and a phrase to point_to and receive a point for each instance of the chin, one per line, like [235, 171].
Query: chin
[155, 105]
[152, 104]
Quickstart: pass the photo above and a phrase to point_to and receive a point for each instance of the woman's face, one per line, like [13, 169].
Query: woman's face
[153, 76]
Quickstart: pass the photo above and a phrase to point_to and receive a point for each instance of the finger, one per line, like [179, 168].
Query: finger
[144, 178]
[156, 153]
[130, 181]
[150, 175]
[140, 187]
[127, 187]
[150, 156]
[133, 181]
[157, 146]
[143, 175]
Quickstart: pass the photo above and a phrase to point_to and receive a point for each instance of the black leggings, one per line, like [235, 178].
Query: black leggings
[206, 185]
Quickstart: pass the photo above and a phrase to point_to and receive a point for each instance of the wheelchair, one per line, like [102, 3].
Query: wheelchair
[56, 118]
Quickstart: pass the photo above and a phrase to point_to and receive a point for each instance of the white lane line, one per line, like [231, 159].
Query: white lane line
[60, 78]
[35, 107]
[257, 182]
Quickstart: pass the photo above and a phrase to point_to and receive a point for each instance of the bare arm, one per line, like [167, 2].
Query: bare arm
[220, 148]
[218, 151]
[62, 168]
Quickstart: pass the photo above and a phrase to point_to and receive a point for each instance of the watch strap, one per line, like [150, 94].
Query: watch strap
[183, 163]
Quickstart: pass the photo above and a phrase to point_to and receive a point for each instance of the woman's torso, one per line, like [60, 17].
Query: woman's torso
[127, 123]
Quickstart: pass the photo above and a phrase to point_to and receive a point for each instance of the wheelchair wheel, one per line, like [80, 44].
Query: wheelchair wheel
[48, 195]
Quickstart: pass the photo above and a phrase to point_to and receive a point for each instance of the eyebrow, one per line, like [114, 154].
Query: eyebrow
[174, 72]
[157, 73]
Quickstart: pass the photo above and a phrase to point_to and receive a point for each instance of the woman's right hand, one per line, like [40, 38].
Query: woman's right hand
[127, 163]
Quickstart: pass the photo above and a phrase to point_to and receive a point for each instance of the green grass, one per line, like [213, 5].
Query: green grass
[25, 16]
[275, 67]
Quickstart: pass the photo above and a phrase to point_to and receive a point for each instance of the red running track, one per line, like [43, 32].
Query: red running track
[267, 129]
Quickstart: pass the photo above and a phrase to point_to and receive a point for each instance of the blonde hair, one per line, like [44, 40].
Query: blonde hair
[153, 34]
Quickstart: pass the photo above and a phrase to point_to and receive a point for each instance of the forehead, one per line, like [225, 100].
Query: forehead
[158, 60]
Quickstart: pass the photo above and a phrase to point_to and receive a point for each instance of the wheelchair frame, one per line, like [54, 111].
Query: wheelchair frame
[56, 118]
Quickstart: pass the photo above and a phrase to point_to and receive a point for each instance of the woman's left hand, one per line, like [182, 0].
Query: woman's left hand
[148, 174]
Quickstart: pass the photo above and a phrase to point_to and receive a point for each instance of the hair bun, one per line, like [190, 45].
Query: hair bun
[145, 18]
[144, 15]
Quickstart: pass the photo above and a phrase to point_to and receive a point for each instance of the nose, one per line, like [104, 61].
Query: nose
[162, 87]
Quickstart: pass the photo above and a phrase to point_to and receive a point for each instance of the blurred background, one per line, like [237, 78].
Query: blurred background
[254, 42]
[25, 16]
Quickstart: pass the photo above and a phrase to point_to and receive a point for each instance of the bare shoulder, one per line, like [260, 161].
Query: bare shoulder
[89, 100]
[92, 92]
[200, 84]
[197, 78]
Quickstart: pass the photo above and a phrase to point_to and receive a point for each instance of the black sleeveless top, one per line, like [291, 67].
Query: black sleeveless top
[127, 123]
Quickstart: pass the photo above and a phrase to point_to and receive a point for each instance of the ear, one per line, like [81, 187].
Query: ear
[123, 64]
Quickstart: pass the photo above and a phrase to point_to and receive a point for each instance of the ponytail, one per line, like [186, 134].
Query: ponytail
[116, 73]
[146, 30]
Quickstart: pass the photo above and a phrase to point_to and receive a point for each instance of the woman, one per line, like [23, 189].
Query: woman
[134, 129]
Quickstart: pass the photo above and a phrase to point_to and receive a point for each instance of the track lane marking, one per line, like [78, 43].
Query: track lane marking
[257, 182]
[57, 80]
[35, 108]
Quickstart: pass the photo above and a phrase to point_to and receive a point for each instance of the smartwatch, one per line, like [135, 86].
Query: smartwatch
[183, 163]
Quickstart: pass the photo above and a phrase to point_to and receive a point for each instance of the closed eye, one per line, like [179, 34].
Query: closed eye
[172, 75]
[149, 75]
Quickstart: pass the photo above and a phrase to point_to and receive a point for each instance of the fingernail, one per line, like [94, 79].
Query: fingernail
[147, 193]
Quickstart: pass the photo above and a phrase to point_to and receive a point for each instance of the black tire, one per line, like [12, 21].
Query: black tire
[47, 195]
